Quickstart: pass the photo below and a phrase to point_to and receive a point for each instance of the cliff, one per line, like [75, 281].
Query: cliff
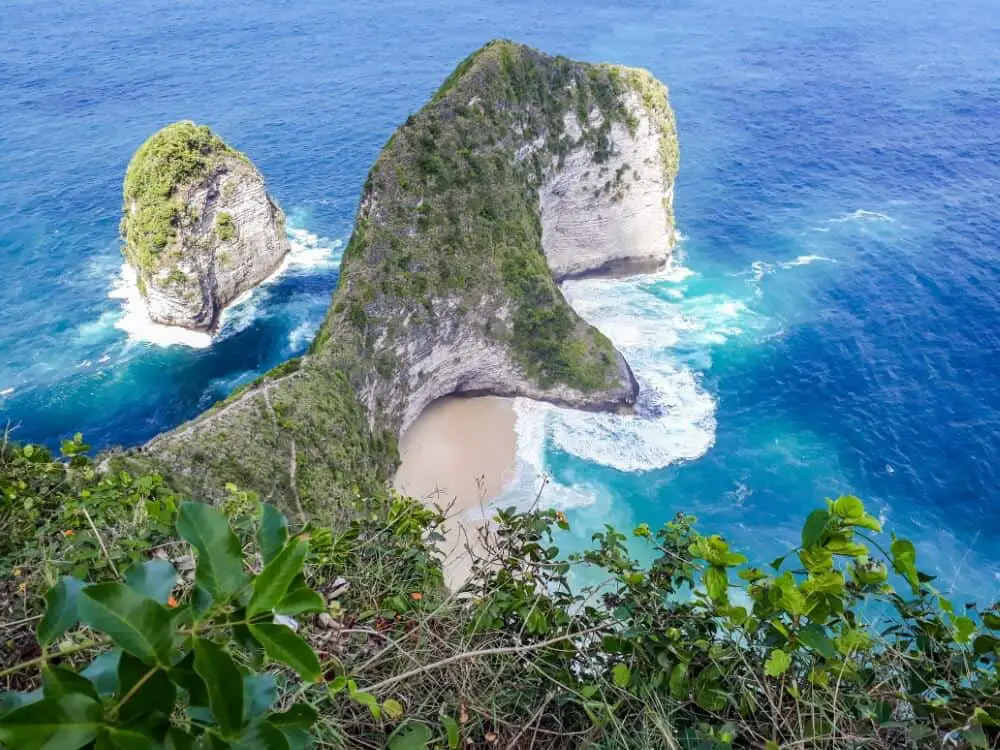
[198, 224]
[523, 169]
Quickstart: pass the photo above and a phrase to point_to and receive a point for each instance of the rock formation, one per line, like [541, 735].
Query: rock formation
[198, 224]
[523, 169]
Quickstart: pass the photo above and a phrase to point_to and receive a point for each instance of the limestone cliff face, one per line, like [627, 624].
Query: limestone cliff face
[615, 216]
[199, 226]
[522, 170]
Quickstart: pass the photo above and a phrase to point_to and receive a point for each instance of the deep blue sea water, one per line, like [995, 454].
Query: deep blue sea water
[832, 323]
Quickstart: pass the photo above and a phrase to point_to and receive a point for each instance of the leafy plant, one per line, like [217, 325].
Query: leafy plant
[186, 662]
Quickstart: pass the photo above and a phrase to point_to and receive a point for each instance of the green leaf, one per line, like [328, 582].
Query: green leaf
[65, 723]
[984, 644]
[679, 682]
[849, 506]
[777, 663]
[103, 672]
[273, 532]
[716, 583]
[123, 739]
[299, 716]
[223, 681]
[60, 609]
[300, 600]
[992, 621]
[451, 730]
[220, 558]
[157, 693]
[904, 554]
[411, 737]
[184, 676]
[59, 681]
[771, 745]
[155, 578]
[259, 692]
[621, 674]
[271, 585]
[369, 701]
[815, 637]
[134, 622]
[261, 735]
[11, 700]
[298, 739]
[392, 708]
[283, 645]
[814, 528]
[964, 628]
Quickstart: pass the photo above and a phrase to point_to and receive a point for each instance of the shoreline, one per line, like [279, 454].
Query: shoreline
[459, 454]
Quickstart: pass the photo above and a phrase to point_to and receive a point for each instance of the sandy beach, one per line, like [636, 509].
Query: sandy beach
[459, 454]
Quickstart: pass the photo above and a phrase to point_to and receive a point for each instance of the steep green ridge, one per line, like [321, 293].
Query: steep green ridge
[447, 237]
[457, 210]
[173, 157]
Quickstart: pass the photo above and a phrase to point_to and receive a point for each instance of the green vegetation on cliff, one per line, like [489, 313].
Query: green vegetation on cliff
[169, 160]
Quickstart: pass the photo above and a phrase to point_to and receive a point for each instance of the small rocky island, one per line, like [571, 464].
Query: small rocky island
[522, 170]
[198, 225]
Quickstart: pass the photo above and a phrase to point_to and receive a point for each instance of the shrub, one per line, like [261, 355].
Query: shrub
[185, 661]
[224, 226]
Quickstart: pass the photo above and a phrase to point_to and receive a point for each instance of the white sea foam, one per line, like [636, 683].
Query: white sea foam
[860, 215]
[135, 320]
[309, 253]
[302, 334]
[805, 260]
[6, 392]
[651, 319]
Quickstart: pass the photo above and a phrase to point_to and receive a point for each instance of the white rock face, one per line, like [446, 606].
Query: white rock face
[612, 217]
[201, 272]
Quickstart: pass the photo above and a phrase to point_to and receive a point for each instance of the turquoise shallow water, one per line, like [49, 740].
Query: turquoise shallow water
[831, 323]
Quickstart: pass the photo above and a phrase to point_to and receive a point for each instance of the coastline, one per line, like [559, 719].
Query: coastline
[459, 454]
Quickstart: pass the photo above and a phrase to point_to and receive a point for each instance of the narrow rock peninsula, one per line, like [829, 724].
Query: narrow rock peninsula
[198, 225]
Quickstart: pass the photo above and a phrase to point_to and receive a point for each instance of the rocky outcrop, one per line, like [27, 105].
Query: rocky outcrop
[522, 170]
[199, 226]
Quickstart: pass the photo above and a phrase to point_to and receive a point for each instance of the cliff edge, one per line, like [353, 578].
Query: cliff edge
[198, 225]
[523, 169]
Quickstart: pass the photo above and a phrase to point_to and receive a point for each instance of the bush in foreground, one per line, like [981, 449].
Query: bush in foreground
[346, 638]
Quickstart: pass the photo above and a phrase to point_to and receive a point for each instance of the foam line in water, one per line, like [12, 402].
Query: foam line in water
[861, 214]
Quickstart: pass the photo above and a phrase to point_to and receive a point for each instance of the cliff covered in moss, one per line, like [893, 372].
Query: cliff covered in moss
[198, 225]
[523, 169]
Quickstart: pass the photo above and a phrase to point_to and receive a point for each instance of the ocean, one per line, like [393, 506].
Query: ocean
[830, 324]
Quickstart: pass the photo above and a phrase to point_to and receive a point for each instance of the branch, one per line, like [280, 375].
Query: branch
[476, 654]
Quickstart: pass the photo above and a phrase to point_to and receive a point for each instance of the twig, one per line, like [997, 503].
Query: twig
[26, 620]
[47, 657]
[535, 717]
[100, 541]
[476, 654]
